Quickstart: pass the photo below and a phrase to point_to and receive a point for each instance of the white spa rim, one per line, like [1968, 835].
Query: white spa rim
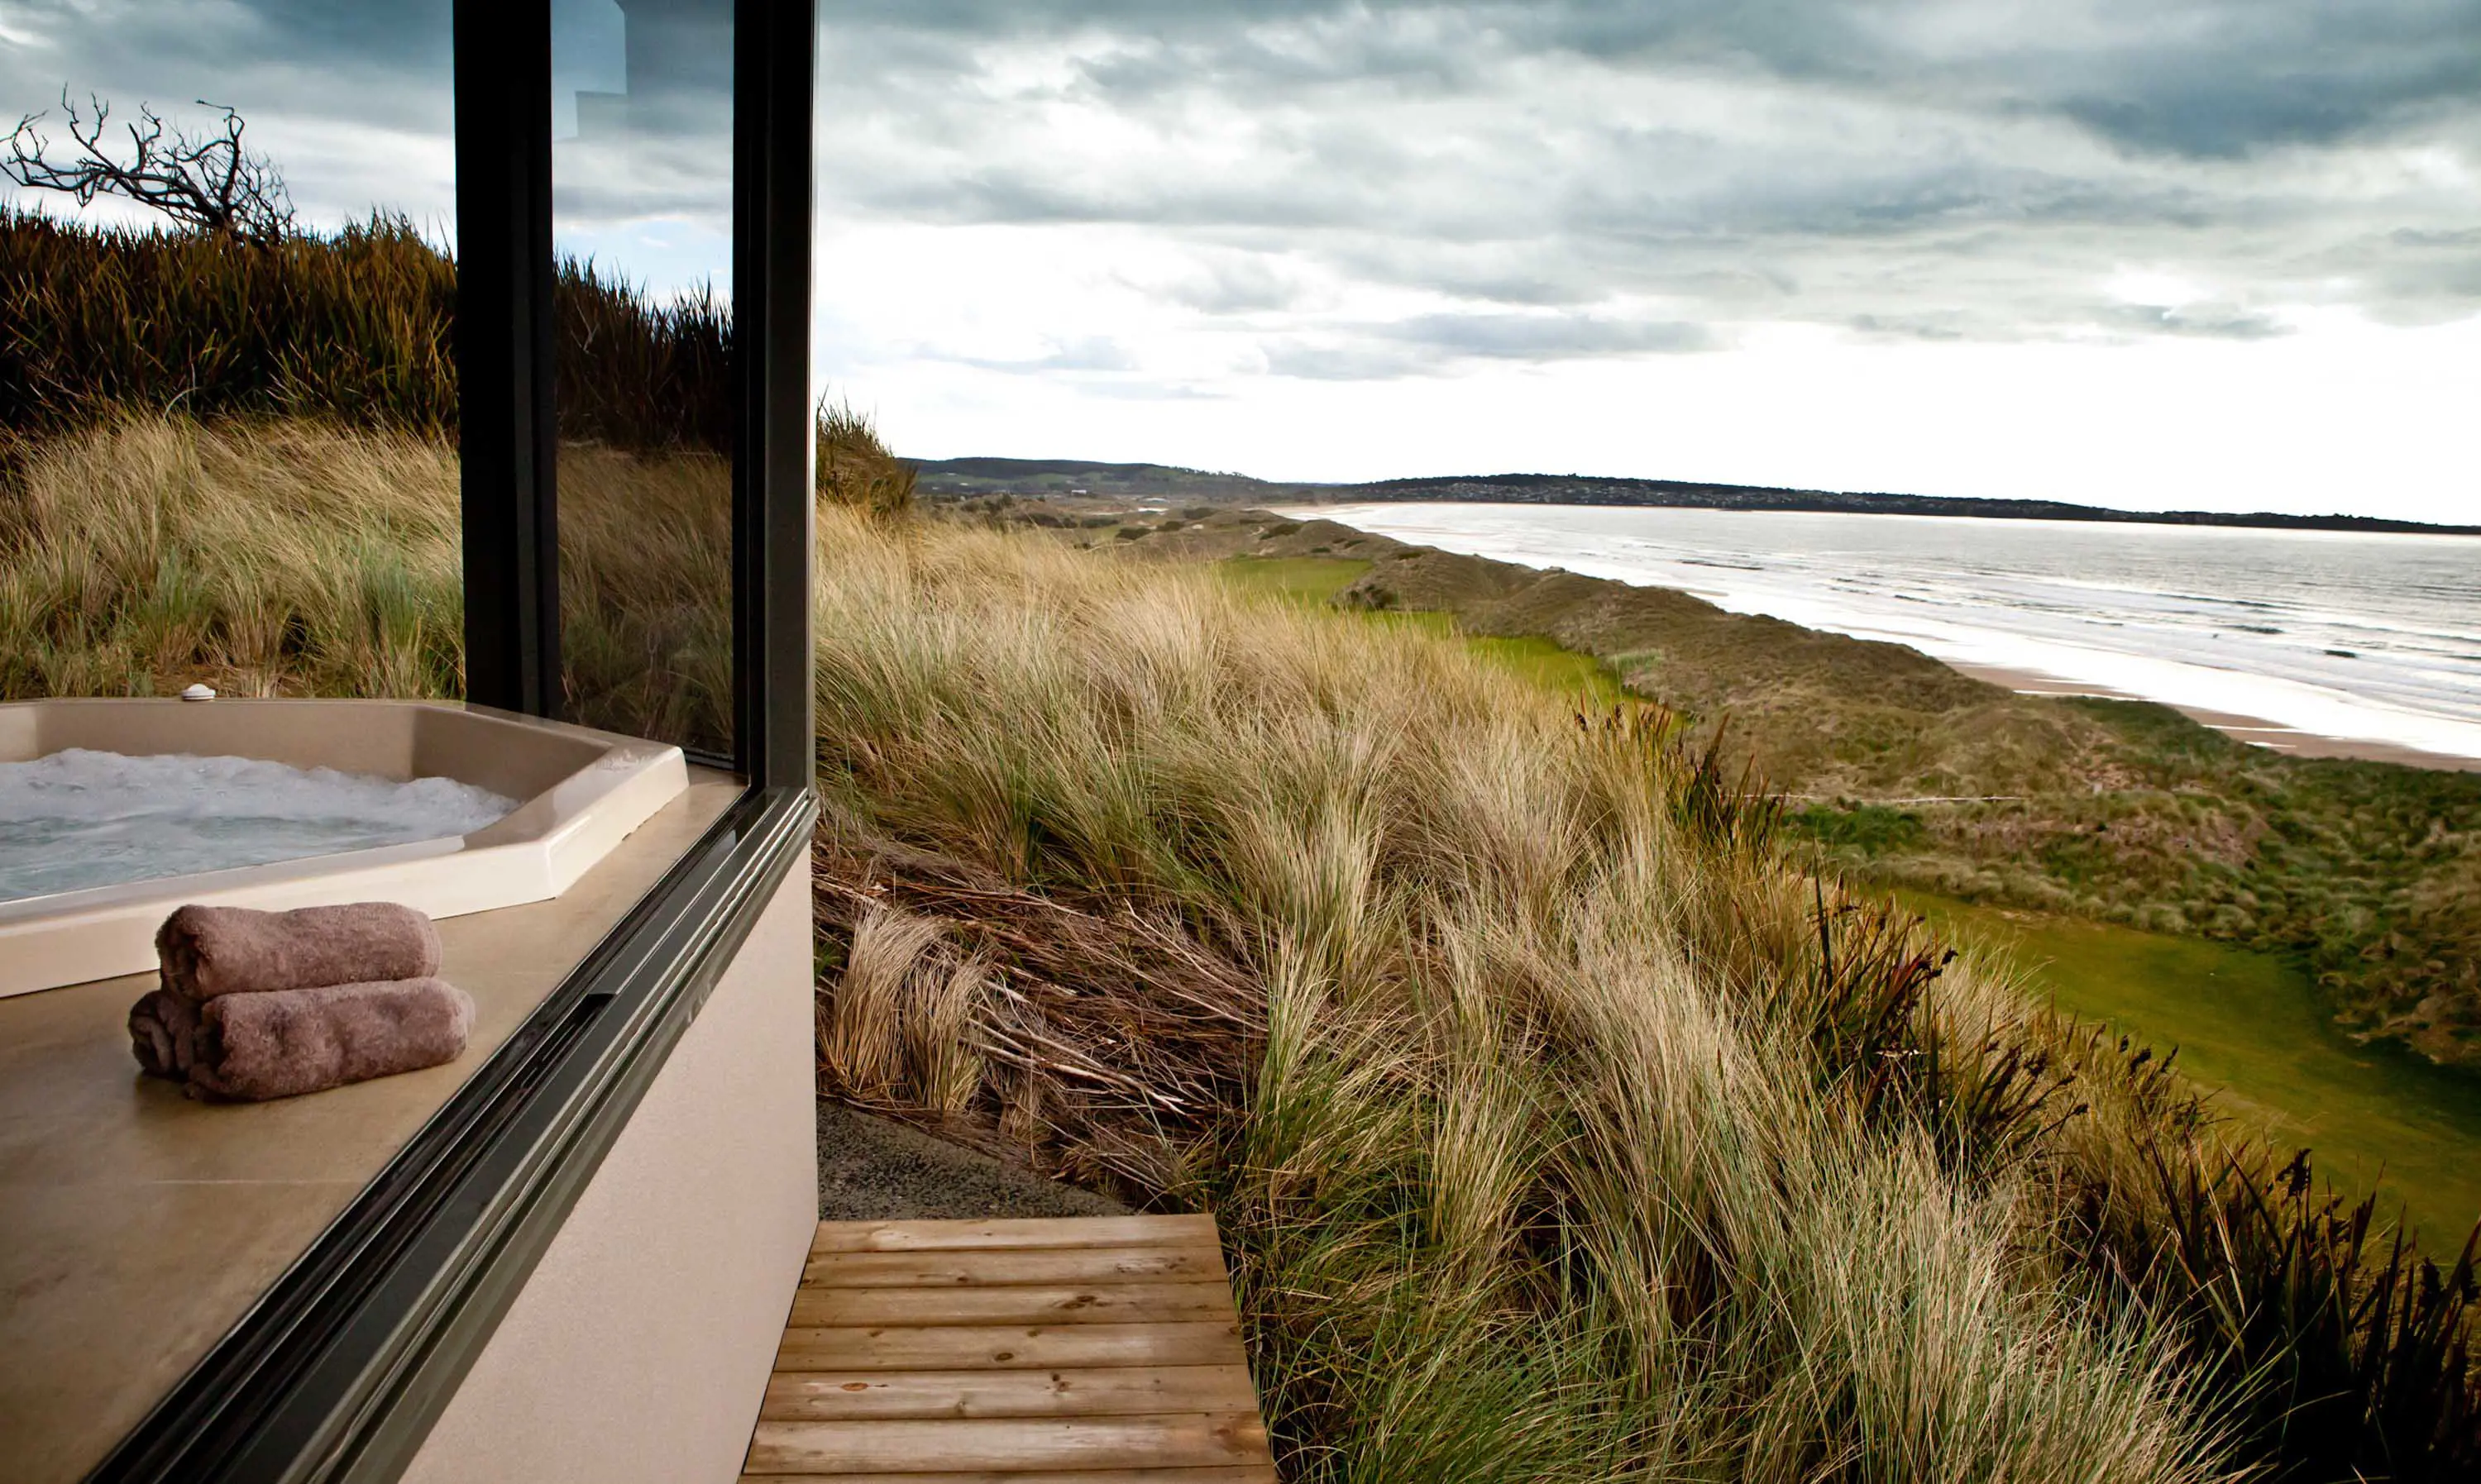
[581, 792]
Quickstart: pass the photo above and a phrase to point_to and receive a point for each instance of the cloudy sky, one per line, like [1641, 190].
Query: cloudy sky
[2142, 252]
[349, 98]
[2214, 253]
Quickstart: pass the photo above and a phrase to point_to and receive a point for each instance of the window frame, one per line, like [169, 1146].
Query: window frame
[340, 1370]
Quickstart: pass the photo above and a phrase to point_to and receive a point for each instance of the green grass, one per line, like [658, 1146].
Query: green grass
[1311, 580]
[2252, 1024]
[1873, 828]
[1563, 671]
[1315, 580]
[2117, 811]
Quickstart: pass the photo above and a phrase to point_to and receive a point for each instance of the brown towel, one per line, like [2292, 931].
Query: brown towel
[288, 1042]
[207, 952]
[164, 1032]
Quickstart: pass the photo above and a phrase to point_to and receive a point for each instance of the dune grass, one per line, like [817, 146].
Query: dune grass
[295, 559]
[354, 327]
[266, 558]
[1557, 1162]
[2250, 1025]
[284, 556]
[1563, 1127]
[2123, 810]
[1317, 580]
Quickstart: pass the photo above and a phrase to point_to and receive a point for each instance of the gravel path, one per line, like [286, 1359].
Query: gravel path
[874, 1170]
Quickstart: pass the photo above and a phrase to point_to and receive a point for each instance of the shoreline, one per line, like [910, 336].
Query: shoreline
[2255, 731]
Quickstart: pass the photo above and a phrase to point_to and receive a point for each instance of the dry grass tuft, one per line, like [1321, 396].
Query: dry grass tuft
[1563, 1129]
[1553, 1117]
[855, 469]
[1108, 1041]
[355, 327]
[270, 558]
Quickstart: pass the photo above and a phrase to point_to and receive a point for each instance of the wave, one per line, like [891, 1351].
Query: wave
[2377, 640]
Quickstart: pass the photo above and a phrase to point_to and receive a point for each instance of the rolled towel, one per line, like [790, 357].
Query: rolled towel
[164, 1032]
[207, 952]
[287, 1042]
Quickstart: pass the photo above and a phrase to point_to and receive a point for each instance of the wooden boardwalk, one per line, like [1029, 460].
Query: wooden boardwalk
[1095, 1352]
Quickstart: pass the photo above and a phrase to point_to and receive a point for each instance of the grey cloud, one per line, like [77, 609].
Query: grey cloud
[1553, 178]
[2422, 291]
[2203, 78]
[321, 85]
[2208, 78]
[1909, 326]
[1913, 169]
[2257, 77]
[2212, 322]
[376, 63]
[1345, 361]
[1546, 337]
[1091, 353]
[1227, 283]
[2467, 240]
[1543, 287]
[1433, 344]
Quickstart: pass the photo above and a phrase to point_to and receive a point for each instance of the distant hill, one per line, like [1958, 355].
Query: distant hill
[1056, 477]
[1051, 477]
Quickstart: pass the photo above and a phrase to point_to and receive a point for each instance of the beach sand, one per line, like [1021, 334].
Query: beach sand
[2253, 730]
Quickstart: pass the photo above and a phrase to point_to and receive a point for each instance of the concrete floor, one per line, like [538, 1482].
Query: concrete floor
[871, 1169]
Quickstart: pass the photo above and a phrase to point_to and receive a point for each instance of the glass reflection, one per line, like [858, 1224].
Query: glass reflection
[228, 405]
[642, 217]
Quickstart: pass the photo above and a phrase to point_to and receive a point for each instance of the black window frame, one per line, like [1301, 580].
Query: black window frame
[340, 1370]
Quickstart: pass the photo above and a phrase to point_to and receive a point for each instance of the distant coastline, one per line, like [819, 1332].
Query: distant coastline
[2299, 636]
[2255, 731]
[1072, 479]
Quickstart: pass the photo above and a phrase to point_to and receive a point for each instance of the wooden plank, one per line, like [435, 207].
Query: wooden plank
[1010, 1347]
[1014, 1232]
[1100, 1303]
[1014, 1266]
[848, 1395]
[1226, 1473]
[1097, 1351]
[963, 1443]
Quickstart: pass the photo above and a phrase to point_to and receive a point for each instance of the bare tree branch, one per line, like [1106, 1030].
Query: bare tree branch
[209, 182]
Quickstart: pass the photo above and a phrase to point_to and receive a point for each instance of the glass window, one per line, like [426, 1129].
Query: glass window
[642, 220]
[225, 371]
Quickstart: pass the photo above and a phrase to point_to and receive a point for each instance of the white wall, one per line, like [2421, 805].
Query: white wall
[639, 1347]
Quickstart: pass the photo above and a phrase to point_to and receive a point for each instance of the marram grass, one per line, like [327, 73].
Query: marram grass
[1562, 1130]
[284, 556]
[1541, 1174]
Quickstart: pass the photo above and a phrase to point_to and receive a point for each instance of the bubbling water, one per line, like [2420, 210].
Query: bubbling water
[80, 817]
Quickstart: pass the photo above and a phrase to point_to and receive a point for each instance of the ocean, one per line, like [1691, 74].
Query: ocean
[2375, 638]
